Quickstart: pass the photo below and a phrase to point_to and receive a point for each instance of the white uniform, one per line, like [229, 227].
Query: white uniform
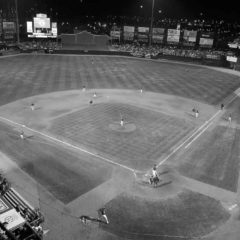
[22, 135]
[154, 173]
[230, 119]
[121, 123]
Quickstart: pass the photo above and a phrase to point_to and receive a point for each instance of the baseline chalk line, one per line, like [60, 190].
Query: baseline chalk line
[190, 137]
[198, 135]
[69, 145]
[232, 207]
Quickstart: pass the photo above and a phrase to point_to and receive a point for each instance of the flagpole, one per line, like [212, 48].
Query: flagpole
[151, 25]
[17, 21]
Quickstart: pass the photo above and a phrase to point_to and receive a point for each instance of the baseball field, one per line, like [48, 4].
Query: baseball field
[97, 129]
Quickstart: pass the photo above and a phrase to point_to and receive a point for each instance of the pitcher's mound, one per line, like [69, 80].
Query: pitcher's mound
[127, 127]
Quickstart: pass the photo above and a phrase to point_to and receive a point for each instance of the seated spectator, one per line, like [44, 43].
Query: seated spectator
[4, 186]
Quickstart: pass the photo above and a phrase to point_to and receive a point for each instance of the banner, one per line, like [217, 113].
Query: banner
[143, 34]
[207, 42]
[9, 30]
[54, 29]
[231, 59]
[158, 35]
[213, 56]
[206, 39]
[173, 36]
[29, 27]
[13, 219]
[128, 33]
[9, 26]
[189, 38]
[115, 33]
[233, 45]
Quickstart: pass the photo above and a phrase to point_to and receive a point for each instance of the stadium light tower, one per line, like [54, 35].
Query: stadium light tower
[17, 21]
[151, 24]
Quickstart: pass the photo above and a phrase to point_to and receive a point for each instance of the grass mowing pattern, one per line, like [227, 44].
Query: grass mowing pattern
[29, 75]
[63, 174]
[155, 132]
[215, 160]
[189, 214]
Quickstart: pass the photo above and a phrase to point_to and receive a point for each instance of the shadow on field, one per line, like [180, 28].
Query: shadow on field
[187, 215]
[190, 114]
[162, 173]
[65, 174]
[29, 137]
[163, 184]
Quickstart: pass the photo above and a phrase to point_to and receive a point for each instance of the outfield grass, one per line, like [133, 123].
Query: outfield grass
[29, 75]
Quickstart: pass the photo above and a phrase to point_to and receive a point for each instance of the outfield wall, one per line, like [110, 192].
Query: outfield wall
[209, 62]
[84, 40]
[202, 61]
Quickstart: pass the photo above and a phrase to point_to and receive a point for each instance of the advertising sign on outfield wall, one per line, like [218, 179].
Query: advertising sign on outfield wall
[158, 35]
[29, 27]
[143, 34]
[173, 36]
[206, 39]
[128, 32]
[232, 59]
[9, 30]
[189, 38]
[115, 33]
[207, 42]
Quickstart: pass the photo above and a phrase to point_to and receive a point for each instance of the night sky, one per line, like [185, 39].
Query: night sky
[170, 8]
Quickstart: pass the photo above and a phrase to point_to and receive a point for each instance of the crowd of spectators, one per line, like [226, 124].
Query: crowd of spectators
[31, 229]
[40, 45]
[4, 185]
[145, 50]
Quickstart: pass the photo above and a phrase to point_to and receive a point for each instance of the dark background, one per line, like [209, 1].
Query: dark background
[70, 9]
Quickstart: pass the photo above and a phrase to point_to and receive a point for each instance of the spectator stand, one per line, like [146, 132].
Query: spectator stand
[18, 219]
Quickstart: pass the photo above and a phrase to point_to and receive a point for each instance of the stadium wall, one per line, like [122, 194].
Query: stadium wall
[84, 41]
[210, 62]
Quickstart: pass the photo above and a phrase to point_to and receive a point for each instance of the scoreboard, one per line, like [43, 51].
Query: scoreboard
[42, 27]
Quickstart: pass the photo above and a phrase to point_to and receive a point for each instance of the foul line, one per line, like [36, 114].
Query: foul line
[232, 207]
[205, 126]
[232, 99]
[70, 145]
[198, 135]
[207, 123]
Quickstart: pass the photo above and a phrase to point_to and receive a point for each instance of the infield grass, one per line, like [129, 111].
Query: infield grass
[154, 134]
